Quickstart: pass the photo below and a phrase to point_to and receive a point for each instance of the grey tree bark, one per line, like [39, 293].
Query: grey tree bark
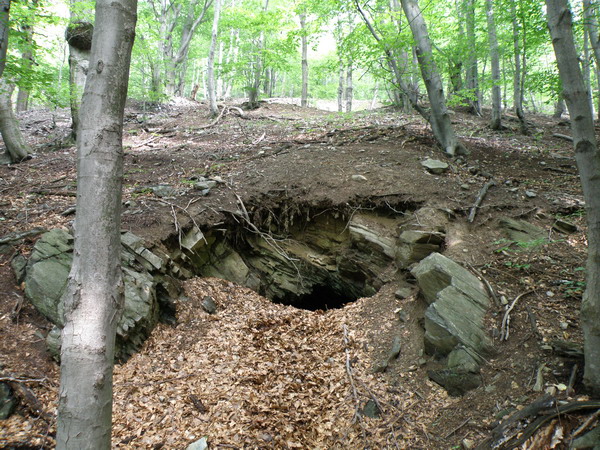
[398, 69]
[16, 147]
[167, 75]
[304, 97]
[79, 37]
[349, 87]
[439, 118]
[496, 122]
[94, 296]
[519, 71]
[591, 26]
[22, 103]
[210, 70]
[559, 108]
[472, 77]
[258, 68]
[340, 89]
[586, 65]
[588, 162]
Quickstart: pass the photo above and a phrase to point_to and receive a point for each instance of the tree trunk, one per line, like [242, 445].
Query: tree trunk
[340, 90]
[409, 89]
[349, 87]
[591, 25]
[94, 295]
[587, 75]
[439, 119]
[79, 37]
[304, 98]
[219, 88]
[559, 108]
[210, 70]
[15, 144]
[16, 147]
[496, 123]
[588, 163]
[375, 96]
[472, 63]
[519, 76]
[27, 61]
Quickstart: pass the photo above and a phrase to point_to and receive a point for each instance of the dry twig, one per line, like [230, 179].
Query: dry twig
[479, 199]
[506, 319]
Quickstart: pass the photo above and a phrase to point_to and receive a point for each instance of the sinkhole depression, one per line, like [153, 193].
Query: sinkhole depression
[313, 258]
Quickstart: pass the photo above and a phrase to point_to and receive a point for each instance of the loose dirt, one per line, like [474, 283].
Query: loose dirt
[261, 375]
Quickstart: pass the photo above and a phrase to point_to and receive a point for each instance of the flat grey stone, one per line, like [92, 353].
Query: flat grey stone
[209, 305]
[8, 402]
[435, 166]
[522, 231]
[200, 444]
[403, 293]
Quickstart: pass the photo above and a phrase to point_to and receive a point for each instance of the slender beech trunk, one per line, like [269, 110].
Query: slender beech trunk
[439, 118]
[79, 36]
[496, 123]
[210, 69]
[472, 63]
[258, 67]
[559, 108]
[340, 90]
[588, 163]
[220, 78]
[94, 296]
[349, 87]
[304, 38]
[586, 65]
[375, 96]
[410, 88]
[517, 91]
[27, 61]
[591, 26]
[16, 148]
[15, 144]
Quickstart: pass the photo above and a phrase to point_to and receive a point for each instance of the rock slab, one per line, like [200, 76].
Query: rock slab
[144, 275]
[454, 320]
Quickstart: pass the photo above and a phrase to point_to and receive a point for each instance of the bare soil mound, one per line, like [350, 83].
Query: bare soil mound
[261, 375]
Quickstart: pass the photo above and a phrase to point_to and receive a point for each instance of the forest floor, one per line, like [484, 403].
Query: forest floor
[264, 375]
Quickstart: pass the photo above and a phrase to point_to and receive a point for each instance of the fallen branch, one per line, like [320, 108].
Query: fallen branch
[563, 136]
[506, 319]
[532, 320]
[260, 138]
[489, 287]
[572, 378]
[479, 199]
[357, 415]
[214, 122]
[240, 111]
[457, 428]
[16, 237]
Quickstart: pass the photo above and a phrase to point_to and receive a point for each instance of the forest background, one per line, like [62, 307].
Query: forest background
[259, 52]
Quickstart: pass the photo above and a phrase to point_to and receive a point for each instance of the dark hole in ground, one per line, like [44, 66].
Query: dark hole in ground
[320, 298]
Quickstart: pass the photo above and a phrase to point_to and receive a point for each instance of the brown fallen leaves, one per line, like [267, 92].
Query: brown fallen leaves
[265, 375]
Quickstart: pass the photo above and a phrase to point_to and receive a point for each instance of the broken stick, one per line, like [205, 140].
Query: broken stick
[479, 199]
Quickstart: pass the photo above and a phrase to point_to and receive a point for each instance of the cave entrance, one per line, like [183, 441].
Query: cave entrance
[321, 297]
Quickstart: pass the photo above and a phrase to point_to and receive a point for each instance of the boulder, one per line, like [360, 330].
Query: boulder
[435, 166]
[143, 272]
[200, 444]
[456, 384]
[454, 321]
[416, 245]
[522, 231]
[7, 401]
